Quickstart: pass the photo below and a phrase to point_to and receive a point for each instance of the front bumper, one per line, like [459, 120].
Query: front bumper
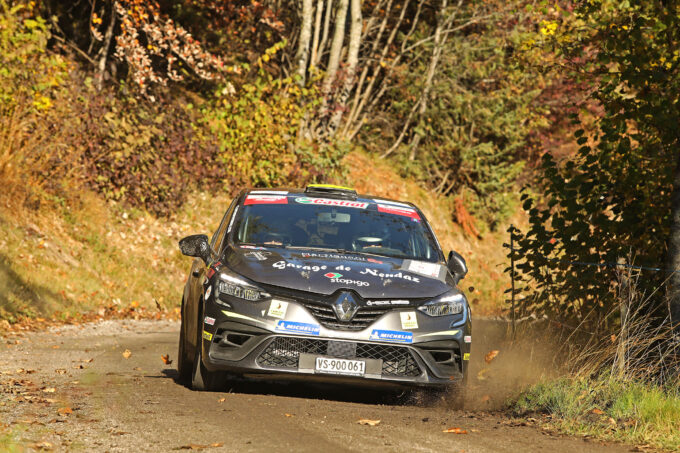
[248, 344]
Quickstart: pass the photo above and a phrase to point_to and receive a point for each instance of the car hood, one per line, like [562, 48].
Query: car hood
[325, 272]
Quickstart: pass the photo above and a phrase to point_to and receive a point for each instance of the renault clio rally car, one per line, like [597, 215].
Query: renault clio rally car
[323, 282]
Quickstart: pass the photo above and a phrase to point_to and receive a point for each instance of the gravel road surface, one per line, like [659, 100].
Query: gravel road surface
[72, 388]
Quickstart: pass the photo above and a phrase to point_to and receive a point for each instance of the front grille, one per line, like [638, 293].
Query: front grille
[363, 318]
[284, 352]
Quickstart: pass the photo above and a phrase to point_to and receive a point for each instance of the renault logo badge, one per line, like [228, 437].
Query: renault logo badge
[345, 307]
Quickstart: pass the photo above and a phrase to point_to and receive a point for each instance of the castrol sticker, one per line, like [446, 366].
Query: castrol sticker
[332, 202]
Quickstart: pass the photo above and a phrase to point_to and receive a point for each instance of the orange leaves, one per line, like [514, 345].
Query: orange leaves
[64, 411]
[490, 356]
[455, 431]
[127, 353]
[166, 359]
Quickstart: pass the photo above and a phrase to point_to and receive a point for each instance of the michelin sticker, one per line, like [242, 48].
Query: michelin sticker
[392, 335]
[277, 309]
[408, 320]
[298, 327]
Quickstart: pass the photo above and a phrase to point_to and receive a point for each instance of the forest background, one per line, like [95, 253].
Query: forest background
[539, 137]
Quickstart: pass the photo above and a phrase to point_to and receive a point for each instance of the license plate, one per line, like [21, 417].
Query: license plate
[340, 366]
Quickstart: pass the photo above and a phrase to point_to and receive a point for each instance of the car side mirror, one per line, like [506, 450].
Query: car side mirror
[457, 266]
[196, 245]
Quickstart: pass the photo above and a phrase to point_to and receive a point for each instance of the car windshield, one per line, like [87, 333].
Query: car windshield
[339, 225]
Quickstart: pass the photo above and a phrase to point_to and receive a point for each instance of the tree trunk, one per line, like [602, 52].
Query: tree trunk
[439, 41]
[352, 61]
[104, 51]
[302, 56]
[336, 46]
[317, 28]
[673, 260]
[324, 35]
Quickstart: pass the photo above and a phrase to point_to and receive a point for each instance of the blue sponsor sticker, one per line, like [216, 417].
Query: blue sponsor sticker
[298, 327]
[392, 335]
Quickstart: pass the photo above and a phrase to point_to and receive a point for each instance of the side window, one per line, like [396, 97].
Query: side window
[218, 237]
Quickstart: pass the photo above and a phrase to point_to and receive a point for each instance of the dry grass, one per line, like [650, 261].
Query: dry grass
[623, 381]
[88, 254]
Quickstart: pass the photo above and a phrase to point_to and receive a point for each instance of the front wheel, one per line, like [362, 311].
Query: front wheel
[184, 365]
[201, 378]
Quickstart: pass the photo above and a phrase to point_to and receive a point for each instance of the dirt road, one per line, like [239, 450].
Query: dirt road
[73, 389]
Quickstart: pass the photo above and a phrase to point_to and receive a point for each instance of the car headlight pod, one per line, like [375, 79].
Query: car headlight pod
[448, 304]
[228, 284]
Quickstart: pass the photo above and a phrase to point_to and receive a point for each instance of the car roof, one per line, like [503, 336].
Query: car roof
[329, 191]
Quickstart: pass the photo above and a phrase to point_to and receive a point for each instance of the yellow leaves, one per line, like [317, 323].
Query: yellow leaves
[126, 354]
[42, 103]
[548, 28]
[96, 19]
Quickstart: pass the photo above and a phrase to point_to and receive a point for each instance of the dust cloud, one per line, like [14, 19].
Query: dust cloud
[494, 378]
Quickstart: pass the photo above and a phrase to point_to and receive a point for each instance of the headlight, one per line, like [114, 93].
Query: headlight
[234, 286]
[449, 304]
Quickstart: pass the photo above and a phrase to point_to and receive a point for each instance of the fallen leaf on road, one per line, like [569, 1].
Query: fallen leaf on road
[65, 411]
[137, 368]
[221, 400]
[49, 390]
[288, 415]
[166, 359]
[127, 353]
[42, 446]
[87, 360]
[481, 375]
[199, 446]
[60, 371]
[455, 431]
[486, 399]
[78, 367]
[491, 355]
[367, 422]
[597, 411]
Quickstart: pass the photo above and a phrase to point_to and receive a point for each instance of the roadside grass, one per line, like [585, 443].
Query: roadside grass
[608, 408]
[87, 254]
[10, 438]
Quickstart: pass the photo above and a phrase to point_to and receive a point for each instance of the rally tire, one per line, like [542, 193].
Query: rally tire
[184, 365]
[201, 378]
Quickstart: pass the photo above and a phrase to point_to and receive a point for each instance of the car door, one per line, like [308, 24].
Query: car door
[195, 286]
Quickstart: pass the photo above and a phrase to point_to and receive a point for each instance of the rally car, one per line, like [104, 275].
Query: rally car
[323, 283]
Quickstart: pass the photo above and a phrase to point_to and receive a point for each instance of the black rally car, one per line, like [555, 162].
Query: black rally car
[323, 283]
